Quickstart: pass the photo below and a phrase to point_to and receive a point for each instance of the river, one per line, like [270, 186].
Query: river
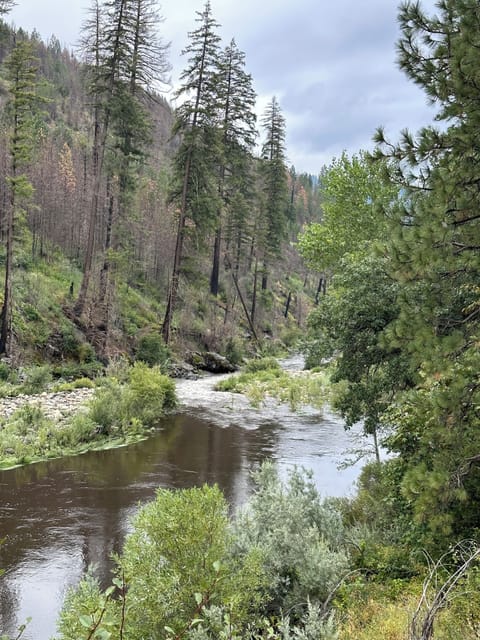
[60, 516]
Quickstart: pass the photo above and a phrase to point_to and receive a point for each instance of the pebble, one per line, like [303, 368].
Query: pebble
[56, 405]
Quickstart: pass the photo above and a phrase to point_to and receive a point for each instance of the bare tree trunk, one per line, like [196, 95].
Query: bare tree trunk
[6, 313]
[214, 276]
[264, 276]
[319, 289]
[287, 305]
[104, 273]
[98, 157]
[177, 260]
[242, 300]
[254, 293]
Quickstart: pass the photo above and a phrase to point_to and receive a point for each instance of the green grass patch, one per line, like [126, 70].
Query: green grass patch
[264, 378]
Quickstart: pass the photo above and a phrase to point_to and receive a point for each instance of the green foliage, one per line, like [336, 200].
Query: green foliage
[433, 252]
[262, 364]
[273, 224]
[117, 413]
[88, 612]
[353, 192]
[27, 434]
[148, 395]
[36, 379]
[176, 566]
[137, 403]
[296, 390]
[234, 351]
[105, 408]
[74, 370]
[349, 326]
[300, 536]
[78, 383]
[372, 611]
[4, 371]
[152, 350]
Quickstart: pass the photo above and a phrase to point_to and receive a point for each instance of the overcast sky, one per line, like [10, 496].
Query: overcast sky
[331, 64]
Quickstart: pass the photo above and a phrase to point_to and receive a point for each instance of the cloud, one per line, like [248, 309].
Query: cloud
[331, 64]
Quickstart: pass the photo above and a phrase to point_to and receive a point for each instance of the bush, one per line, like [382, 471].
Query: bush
[148, 394]
[72, 370]
[36, 379]
[141, 401]
[80, 429]
[105, 408]
[234, 351]
[175, 564]
[262, 364]
[79, 383]
[300, 536]
[4, 371]
[152, 350]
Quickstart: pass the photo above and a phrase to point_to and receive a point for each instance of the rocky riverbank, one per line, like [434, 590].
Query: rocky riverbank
[55, 405]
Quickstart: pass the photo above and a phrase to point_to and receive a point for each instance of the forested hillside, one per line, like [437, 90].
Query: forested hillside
[123, 217]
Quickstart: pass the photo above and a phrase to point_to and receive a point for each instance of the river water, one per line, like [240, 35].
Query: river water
[61, 516]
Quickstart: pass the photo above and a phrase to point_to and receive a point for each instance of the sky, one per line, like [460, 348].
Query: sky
[331, 64]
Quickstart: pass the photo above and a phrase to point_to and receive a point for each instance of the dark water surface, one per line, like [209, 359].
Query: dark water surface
[59, 517]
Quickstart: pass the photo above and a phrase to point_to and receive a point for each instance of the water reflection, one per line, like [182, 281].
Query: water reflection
[59, 517]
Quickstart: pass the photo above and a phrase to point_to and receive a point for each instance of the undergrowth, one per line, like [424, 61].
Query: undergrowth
[265, 378]
[119, 412]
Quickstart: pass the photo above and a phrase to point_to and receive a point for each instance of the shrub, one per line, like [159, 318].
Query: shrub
[175, 564]
[152, 350]
[234, 351]
[299, 535]
[262, 364]
[141, 401]
[105, 408]
[72, 370]
[36, 379]
[80, 429]
[4, 371]
[148, 394]
[79, 383]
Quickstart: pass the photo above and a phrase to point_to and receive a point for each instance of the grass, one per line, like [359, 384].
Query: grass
[264, 378]
[118, 413]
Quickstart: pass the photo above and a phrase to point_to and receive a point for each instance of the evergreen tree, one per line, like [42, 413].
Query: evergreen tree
[275, 185]
[21, 68]
[122, 69]
[195, 183]
[236, 98]
[435, 254]
[6, 6]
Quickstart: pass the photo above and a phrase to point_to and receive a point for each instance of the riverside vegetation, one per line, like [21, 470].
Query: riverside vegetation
[122, 409]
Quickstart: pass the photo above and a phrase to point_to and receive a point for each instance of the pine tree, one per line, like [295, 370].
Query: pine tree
[21, 74]
[6, 6]
[196, 162]
[127, 58]
[435, 254]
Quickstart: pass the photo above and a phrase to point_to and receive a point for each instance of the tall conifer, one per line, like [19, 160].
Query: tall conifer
[435, 254]
[275, 185]
[236, 98]
[21, 68]
[196, 162]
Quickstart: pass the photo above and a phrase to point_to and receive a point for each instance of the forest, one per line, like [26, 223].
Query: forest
[138, 237]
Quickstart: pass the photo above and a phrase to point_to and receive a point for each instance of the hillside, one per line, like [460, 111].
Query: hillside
[129, 251]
